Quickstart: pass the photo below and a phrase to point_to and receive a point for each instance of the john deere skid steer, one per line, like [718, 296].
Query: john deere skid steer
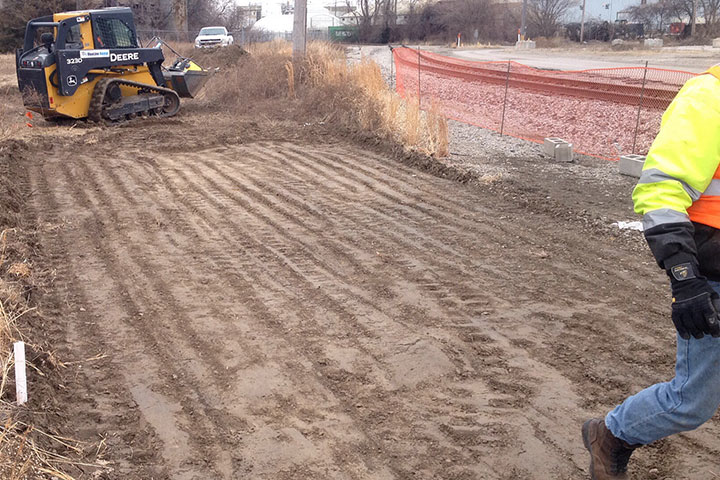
[89, 64]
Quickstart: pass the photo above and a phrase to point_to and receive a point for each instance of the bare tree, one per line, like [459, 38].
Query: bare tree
[16, 14]
[369, 11]
[465, 17]
[711, 11]
[374, 18]
[151, 15]
[682, 10]
[545, 16]
[654, 16]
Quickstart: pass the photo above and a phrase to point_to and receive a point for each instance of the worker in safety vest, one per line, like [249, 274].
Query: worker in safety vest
[678, 195]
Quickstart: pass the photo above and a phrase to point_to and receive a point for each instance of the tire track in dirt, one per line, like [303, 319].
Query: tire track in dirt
[206, 248]
[273, 341]
[465, 219]
[559, 241]
[198, 172]
[322, 332]
[247, 286]
[460, 314]
[106, 416]
[148, 387]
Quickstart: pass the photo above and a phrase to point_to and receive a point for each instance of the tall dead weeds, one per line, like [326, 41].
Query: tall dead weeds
[327, 88]
[21, 455]
[361, 98]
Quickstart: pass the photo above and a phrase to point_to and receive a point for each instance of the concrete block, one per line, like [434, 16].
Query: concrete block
[564, 152]
[716, 43]
[631, 165]
[549, 145]
[525, 44]
[653, 42]
[558, 149]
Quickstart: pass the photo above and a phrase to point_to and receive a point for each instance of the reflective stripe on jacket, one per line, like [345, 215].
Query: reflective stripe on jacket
[680, 181]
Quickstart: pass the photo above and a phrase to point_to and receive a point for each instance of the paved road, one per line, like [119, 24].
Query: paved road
[691, 60]
[556, 59]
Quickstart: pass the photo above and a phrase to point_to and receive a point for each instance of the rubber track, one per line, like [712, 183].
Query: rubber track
[96, 102]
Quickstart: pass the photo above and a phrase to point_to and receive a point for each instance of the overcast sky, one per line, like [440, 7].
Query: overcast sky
[596, 9]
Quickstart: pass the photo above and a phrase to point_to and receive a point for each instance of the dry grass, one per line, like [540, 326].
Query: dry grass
[326, 88]
[24, 449]
[10, 103]
[21, 455]
[7, 65]
[362, 99]
[291, 79]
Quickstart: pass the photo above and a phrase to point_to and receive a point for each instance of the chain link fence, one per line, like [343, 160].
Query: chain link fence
[603, 112]
[243, 36]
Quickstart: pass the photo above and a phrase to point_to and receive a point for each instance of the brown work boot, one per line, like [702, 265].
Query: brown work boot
[608, 455]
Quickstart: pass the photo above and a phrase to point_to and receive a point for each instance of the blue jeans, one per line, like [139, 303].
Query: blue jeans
[684, 403]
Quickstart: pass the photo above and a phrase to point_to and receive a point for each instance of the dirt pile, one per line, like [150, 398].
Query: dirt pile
[222, 58]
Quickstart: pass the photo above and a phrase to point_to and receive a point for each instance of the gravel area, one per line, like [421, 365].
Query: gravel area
[596, 127]
[380, 54]
[491, 156]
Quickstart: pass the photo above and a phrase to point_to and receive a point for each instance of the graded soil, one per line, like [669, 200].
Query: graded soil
[247, 298]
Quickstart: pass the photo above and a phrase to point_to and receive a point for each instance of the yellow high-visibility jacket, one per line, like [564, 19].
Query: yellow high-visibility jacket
[680, 181]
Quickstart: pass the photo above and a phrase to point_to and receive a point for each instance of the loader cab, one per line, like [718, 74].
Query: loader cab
[81, 30]
[113, 28]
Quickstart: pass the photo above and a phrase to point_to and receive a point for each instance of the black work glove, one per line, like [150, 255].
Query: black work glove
[695, 304]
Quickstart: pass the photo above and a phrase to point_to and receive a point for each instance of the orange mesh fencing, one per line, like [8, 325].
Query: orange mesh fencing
[604, 112]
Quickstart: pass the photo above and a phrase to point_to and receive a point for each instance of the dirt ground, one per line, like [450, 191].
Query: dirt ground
[249, 298]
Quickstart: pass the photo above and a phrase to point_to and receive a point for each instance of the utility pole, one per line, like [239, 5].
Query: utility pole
[299, 29]
[694, 19]
[582, 24]
[523, 21]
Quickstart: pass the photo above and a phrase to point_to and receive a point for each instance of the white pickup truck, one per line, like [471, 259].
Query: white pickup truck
[213, 37]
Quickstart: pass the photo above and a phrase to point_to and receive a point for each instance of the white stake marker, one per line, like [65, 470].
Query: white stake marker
[20, 377]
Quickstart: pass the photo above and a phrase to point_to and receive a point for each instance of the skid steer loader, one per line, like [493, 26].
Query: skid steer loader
[88, 64]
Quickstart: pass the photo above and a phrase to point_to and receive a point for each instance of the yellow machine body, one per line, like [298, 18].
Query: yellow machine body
[77, 105]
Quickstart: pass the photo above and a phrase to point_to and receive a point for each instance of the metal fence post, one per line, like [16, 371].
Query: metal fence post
[642, 95]
[392, 69]
[507, 84]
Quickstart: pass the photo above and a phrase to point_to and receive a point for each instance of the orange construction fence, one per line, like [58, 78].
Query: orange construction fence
[604, 112]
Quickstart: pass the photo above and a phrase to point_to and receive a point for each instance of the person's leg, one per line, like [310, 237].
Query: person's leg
[684, 403]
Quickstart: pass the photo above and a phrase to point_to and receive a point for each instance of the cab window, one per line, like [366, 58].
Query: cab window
[74, 38]
[113, 33]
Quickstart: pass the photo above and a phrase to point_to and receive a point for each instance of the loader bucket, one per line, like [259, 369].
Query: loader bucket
[187, 79]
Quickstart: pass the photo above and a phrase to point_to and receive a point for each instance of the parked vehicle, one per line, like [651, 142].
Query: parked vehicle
[213, 37]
